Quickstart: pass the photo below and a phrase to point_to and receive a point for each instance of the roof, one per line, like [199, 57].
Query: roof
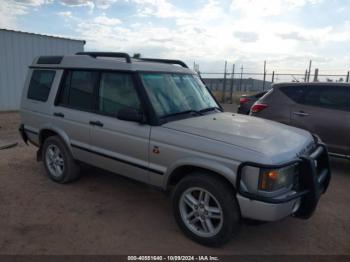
[125, 63]
[49, 36]
[311, 84]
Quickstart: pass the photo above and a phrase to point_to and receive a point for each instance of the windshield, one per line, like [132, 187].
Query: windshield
[171, 94]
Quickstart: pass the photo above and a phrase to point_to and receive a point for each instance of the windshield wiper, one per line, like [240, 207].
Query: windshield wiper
[210, 109]
[198, 113]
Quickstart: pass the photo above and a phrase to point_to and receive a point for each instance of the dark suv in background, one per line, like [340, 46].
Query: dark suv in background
[246, 102]
[321, 108]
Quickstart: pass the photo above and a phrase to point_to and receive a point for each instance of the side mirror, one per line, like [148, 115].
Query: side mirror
[130, 114]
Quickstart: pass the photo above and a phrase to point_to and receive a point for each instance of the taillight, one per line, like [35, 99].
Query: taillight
[257, 107]
[243, 100]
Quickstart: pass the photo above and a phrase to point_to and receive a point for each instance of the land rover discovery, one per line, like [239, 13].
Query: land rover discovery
[155, 121]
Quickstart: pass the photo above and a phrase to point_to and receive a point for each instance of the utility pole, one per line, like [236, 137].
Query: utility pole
[347, 77]
[308, 77]
[273, 76]
[305, 78]
[240, 81]
[232, 79]
[224, 85]
[316, 75]
[264, 75]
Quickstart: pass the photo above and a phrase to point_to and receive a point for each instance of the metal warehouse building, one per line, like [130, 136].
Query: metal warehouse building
[17, 50]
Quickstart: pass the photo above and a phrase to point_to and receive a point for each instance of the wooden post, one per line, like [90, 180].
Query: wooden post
[273, 76]
[316, 75]
[308, 76]
[240, 81]
[347, 77]
[232, 79]
[264, 75]
[305, 78]
[224, 85]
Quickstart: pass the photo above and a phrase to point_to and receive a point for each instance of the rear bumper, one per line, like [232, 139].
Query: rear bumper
[313, 181]
[23, 134]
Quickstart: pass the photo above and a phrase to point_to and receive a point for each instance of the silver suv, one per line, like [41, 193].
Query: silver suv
[155, 121]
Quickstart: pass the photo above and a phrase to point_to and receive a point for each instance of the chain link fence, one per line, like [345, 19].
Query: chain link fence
[228, 87]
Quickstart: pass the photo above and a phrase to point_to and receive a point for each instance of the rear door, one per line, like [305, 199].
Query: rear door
[73, 110]
[119, 146]
[325, 111]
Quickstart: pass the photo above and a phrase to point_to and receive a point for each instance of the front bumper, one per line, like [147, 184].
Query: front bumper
[313, 181]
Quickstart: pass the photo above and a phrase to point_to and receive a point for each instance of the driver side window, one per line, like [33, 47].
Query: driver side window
[117, 91]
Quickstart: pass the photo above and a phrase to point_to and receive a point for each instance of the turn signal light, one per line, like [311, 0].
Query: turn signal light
[268, 179]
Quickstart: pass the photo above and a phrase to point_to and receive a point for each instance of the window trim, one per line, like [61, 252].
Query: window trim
[51, 84]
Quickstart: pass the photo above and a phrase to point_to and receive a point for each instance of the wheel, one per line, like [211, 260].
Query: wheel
[206, 209]
[58, 161]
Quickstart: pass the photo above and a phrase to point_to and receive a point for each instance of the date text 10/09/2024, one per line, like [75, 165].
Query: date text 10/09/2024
[173, 258]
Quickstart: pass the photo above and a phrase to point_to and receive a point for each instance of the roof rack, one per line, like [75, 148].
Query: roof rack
[128, 59]
[107, 54]
[166, 61]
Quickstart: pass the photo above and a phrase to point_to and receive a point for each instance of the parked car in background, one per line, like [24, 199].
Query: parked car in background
[321, 108]
[246, 102]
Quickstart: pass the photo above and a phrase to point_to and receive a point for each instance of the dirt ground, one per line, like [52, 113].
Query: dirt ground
[104, 213]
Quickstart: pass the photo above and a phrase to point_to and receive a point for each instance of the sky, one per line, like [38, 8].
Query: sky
[285, 33]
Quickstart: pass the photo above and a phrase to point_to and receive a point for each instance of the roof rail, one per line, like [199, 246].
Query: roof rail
[166, 61]
[107, 54]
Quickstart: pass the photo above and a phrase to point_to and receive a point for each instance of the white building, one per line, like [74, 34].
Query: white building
[17, 50]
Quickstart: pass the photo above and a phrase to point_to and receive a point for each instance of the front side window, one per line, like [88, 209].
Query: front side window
[40, 84]
[176, 93]
[78, 89]
[117, 91]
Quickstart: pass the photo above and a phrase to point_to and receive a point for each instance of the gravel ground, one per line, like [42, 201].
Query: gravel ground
[104, 213]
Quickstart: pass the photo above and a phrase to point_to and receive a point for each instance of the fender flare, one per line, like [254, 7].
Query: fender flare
[59, 132]
[196, 162]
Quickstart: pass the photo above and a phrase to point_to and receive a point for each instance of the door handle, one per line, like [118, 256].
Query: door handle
[58, 114]
[301, 113]
[96, 123]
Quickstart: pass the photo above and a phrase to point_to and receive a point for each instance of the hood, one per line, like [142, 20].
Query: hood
[274, 140]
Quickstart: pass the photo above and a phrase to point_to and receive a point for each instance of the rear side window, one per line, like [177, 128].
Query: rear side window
[296, 93]
[78, 89]
[117, 91]
[334, 97]
[40, 84]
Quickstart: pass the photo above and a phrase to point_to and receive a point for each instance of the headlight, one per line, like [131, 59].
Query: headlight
[274, 179]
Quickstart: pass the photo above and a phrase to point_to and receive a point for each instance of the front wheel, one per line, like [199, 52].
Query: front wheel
[205, 209]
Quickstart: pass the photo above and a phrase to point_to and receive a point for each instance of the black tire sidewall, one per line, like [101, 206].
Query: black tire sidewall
[224, 196]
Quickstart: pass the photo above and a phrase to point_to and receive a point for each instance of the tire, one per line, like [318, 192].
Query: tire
[221, 198]
[69, 169]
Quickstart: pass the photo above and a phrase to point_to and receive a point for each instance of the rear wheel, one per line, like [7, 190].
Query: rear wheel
[205, 209]
[58, 161]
